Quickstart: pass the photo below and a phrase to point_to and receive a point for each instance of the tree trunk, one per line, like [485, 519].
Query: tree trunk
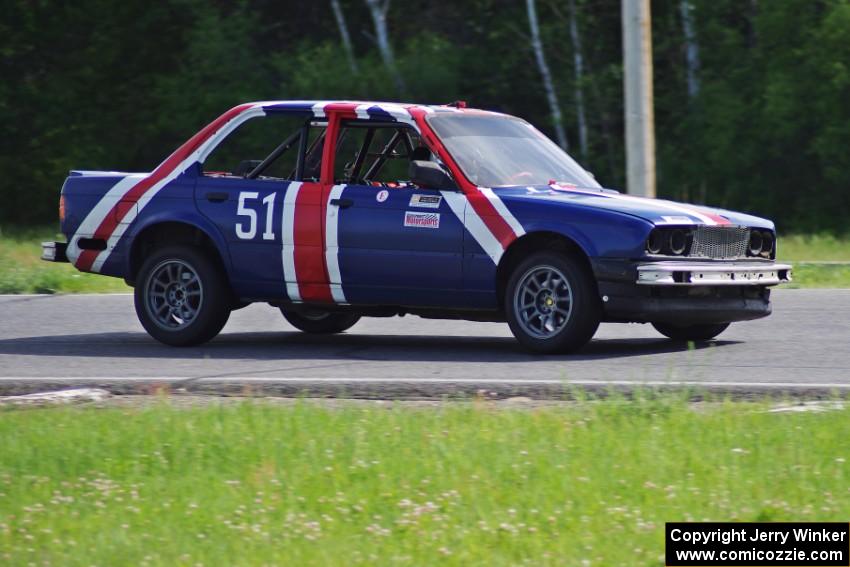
[578, 66]
[691, 48]
[379, 10]
[548, 85]
[343, 32]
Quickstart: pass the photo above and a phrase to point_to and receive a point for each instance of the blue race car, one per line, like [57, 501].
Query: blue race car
[332, 211]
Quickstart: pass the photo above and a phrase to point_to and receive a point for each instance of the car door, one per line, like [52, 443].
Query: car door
[255, 215]
[397, 244]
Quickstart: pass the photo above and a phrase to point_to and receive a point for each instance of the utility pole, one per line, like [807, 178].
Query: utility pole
[637, 83]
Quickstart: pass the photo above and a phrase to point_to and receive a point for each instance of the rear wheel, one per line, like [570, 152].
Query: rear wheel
[552, 304]
[319, 321]
[690, 332]
[181, 296]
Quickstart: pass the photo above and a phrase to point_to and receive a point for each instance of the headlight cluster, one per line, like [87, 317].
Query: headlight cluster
[669, 241]
[761, 243]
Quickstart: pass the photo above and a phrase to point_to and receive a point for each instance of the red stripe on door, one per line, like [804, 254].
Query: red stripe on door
[311, 205]
[310, 269]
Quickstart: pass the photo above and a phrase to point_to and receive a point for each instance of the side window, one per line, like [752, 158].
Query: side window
[397, 145]
[374, 155]
[270, 140]
[315, 147]
[349, 160]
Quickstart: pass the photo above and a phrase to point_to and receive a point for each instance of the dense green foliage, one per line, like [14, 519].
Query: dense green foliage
[95, 84]
[590, 483]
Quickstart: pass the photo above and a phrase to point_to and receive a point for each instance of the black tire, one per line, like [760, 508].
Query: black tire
[704, 332]
[569, 332]
[319, 322]
[154, 299]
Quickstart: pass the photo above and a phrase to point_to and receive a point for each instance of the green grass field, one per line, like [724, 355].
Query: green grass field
[21, 271]
[799, 249]
[589, 483]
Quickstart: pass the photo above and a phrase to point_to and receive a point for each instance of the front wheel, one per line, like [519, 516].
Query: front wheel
[690, 332]
[181, 296]
[552, 304]
[320, 322]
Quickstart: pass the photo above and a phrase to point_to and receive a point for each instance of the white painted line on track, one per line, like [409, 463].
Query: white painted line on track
[471, 381]
[94, 294]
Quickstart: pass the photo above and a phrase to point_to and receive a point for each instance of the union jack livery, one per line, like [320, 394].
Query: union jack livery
[331, 211]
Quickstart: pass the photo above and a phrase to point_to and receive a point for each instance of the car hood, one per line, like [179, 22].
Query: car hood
[656, 211]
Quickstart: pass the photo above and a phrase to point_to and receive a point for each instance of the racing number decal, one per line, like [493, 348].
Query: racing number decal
[244, 211]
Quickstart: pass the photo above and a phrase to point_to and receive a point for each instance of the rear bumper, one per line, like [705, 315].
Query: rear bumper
[687, 293]
[54, 251]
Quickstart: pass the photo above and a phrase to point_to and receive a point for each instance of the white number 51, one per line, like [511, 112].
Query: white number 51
[244, 211]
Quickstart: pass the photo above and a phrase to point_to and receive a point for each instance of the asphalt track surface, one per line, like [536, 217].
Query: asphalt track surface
[50, 342]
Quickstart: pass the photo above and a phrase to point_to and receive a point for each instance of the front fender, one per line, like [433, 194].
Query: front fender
[599, 233]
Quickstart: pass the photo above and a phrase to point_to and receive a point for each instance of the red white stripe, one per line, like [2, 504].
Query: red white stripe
[476, 226]
[123, 202]
[311, 267]
[503, 211]
[310, 270]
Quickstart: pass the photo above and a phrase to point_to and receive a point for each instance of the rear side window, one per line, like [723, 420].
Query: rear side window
[273, 141]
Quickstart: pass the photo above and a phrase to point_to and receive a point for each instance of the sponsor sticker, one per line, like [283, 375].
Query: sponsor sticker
[421, 220]
[382, 195]
[677, 219]
[425, 201]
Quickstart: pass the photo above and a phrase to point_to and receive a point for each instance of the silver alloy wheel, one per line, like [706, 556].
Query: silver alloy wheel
[543, 301]
[173, 294]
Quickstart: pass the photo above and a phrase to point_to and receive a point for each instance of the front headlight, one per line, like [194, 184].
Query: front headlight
[762, 243]
[669, 241]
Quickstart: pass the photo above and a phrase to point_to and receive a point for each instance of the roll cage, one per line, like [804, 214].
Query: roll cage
[366, 165]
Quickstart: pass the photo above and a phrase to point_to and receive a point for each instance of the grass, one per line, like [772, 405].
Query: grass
[819, 276]
[814, 248]
[21, 270]
[590, 483]
[800, 249]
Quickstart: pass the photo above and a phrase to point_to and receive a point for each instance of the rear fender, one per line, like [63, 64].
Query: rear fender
[188, 218]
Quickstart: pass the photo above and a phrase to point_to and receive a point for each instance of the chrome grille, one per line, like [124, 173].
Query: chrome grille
[720, 242]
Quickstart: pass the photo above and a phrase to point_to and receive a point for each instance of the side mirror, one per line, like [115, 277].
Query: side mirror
[429, 174]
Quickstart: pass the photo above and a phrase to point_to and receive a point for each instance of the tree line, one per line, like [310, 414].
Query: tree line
[752, 97]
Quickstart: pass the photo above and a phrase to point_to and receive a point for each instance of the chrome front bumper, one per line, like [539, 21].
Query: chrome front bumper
[713, 274]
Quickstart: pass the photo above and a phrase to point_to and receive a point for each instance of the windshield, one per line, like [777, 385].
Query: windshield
[496, 150]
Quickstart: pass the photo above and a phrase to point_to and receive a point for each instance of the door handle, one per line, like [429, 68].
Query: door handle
[216, 197]
[342, 203]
